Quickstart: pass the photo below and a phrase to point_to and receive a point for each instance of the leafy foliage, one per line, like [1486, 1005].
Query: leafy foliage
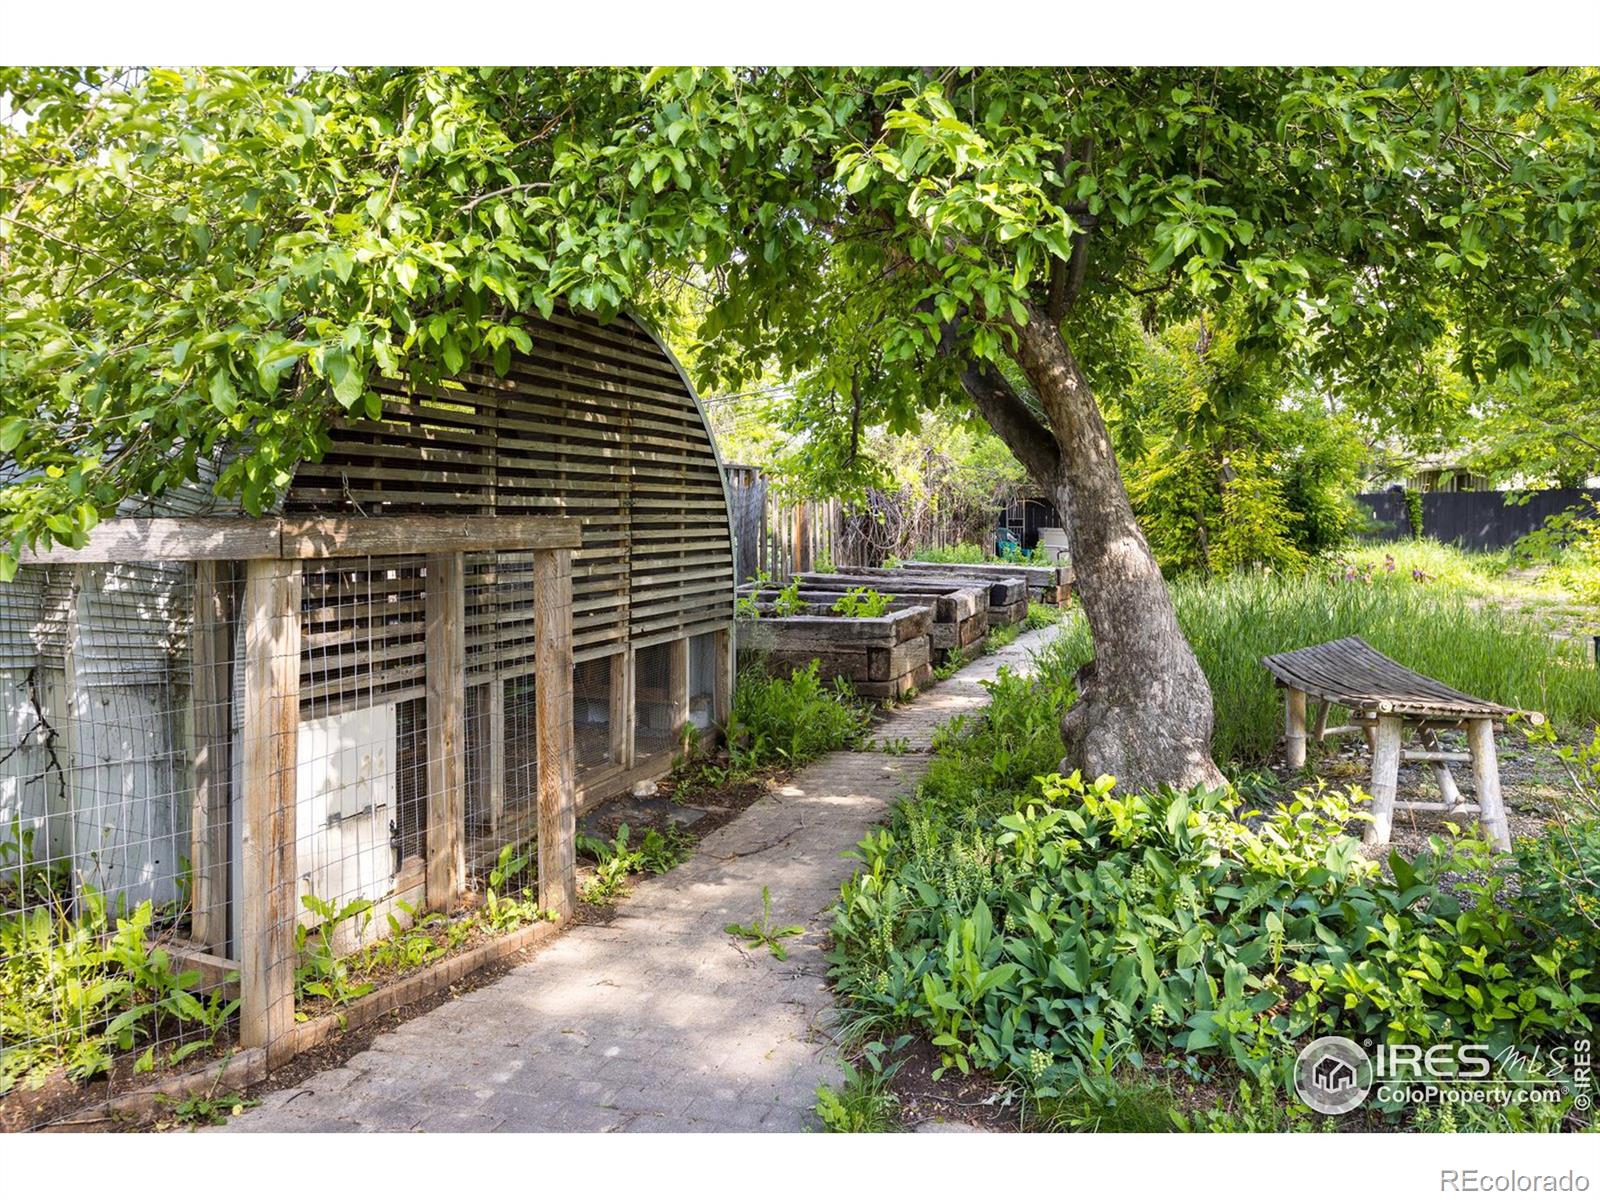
[763, 931]
[862, 602]
[1230, 463]
[657, 853]
[76, 989]
[863, 1103]
[208, 265]
[790, 720]
[1048, 929]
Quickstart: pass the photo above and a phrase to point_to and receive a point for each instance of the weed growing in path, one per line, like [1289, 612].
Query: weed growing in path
[762, 932]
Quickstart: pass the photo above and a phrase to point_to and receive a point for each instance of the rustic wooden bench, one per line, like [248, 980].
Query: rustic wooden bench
[1385, 699]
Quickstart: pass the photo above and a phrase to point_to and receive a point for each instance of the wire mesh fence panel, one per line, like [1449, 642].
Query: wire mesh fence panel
[654, 727]
[591, 715]
[702, 680]
[114, 839]
[237, 798]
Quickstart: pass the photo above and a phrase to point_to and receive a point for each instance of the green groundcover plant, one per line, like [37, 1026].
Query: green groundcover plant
[1052, 931]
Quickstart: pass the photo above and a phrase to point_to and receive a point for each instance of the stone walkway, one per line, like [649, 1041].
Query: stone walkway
[658, 1021]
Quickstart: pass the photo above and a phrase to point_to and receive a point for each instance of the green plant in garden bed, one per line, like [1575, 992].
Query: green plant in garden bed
[862, 602]
[1042, 616]
[863, 1102]
[1051, 930]
[319, 971]
[658, 852]
[1000, 637]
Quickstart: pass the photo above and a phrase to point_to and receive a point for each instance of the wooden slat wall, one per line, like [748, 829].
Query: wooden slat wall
[594, 423]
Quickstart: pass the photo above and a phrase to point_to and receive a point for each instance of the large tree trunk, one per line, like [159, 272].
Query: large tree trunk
[1144, 709]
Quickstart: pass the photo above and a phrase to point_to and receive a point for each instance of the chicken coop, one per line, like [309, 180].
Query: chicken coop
[505, 600]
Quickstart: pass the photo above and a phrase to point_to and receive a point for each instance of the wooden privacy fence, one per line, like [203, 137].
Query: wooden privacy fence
[218, 697]
[774, 536]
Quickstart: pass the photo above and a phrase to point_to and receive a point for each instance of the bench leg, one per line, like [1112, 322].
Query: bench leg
[1294, 702]
[1486, 779]
[1319, 728]
[1448, 790]
[1385, 778]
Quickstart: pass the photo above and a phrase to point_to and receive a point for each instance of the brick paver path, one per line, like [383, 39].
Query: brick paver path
[659, 1020]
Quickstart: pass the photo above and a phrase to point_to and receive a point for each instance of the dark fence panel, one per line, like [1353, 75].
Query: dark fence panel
[1475, 520]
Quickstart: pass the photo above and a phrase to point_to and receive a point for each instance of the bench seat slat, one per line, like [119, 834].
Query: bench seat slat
[1350, 672]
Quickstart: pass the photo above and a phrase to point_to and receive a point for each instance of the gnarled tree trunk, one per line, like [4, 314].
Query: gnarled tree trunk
[1144, 712]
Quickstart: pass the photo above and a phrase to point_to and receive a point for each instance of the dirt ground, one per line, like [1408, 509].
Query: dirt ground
[1533, 781]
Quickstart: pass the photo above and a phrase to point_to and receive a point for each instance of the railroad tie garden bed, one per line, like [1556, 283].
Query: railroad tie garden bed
[1046, 583]
[960, 616]
[1007, 594]
[883, 657]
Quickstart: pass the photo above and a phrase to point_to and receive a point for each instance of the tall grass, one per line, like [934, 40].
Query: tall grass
[1232, 622]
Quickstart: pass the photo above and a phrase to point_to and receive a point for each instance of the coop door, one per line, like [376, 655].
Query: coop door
[345, 794]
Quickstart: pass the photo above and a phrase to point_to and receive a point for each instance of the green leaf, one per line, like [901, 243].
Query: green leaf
[223, 396]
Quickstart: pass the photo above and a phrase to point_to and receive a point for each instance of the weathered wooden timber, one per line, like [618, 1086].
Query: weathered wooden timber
[1384, 698]
[1008, 595]
[1051, 584]
[960, 617]
[882, 657]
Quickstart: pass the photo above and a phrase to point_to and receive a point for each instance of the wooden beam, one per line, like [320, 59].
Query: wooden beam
[216, 539]
[342, 537]
[1295, 720]
[722, 696]
[552, 608]
[495, 766]
[678, 687]
[621, 712]
[168, 539]
[211, 698]
[267, 809]
[446, 651]
[1441, 770]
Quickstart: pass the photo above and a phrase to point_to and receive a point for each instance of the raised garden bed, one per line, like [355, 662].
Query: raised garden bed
[1051, 584]
[882, 657]
[960, 616]
[1008, 595]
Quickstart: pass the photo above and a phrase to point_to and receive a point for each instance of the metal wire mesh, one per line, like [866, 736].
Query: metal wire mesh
[654, 731]
[134, 836]
[591, 714]
[115, 843]
[702, 680]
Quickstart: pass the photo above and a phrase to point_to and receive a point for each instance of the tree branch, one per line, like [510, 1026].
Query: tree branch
[1025, 435]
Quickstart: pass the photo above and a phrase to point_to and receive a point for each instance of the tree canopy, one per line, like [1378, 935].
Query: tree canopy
[205, 255]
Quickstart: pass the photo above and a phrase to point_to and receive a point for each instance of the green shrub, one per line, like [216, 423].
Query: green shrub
[1047, 929]
[1232, 622]
[863, 1102]
[77, 989]
[1042, 616]
[790, 719]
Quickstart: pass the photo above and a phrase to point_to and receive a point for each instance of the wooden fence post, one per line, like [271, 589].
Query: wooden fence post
[558, 815]
[621, 710]
[446, 649]
[722, 695]
[678, 686]
[267, 825]
[210, 699]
